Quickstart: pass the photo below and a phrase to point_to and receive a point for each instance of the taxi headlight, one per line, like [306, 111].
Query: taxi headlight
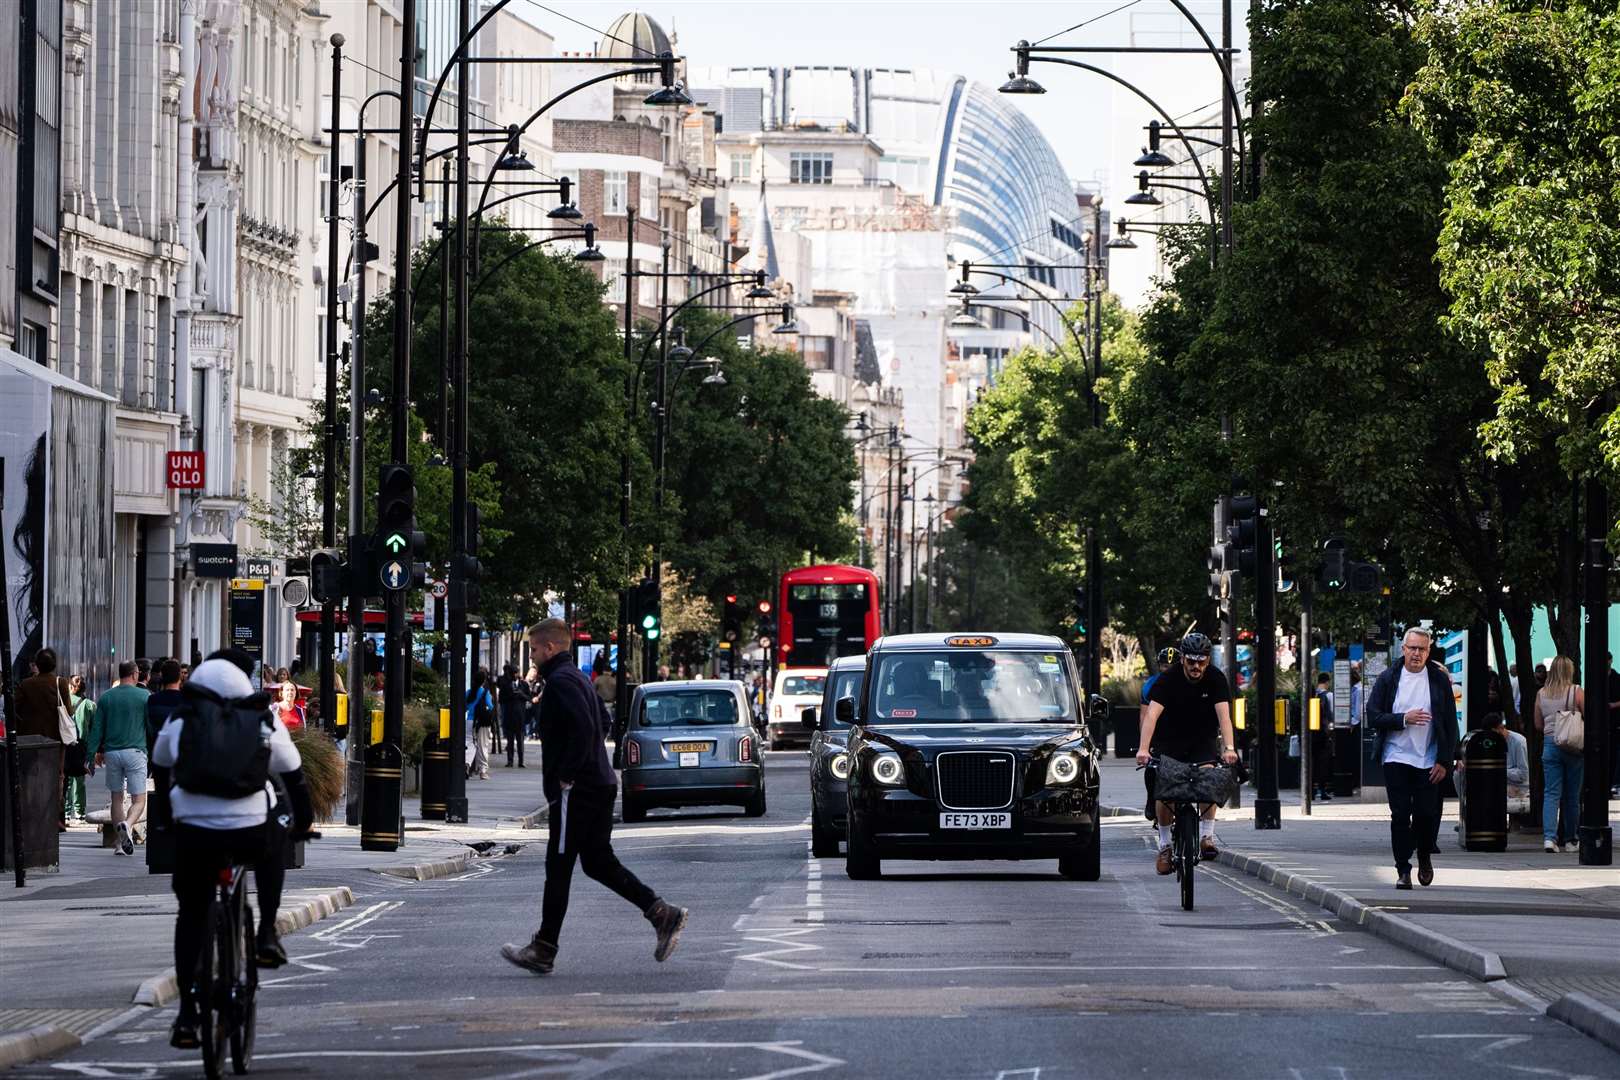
[886, 769]
[839, 766]
[1062, 768]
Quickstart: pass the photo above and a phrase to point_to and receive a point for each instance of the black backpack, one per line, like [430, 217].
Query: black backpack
[224, 745]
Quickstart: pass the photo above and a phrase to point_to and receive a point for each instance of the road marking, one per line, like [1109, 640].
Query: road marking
[813, 1062]
[1008, 1074]
[1297, 916]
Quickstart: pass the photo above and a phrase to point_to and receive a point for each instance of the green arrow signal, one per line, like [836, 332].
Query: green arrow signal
[395, 543]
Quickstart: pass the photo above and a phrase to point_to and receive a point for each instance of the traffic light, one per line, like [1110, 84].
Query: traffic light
[1335, 572]
[400, 547]
[767, 622]
[1081, 608]
[731, 624]
[328, 576]
[1240, 532]
[1364, 577]
[644, 609]
[471, 569]
[1284, 564]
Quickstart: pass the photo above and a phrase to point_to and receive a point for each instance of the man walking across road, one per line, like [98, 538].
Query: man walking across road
[1412, 710]
[580, 787]
[513, 698]
[118, 740]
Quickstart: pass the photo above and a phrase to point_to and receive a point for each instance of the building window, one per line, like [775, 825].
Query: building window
[808, 168]
[742, 166]
[817, 352]
[615, 191]
[649, 198]
[613, 275]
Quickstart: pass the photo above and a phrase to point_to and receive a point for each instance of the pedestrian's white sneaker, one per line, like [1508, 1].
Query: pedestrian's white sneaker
[1548, 845]
[126, 843]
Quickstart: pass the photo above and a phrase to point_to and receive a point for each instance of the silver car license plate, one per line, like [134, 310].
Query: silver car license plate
[959, 820]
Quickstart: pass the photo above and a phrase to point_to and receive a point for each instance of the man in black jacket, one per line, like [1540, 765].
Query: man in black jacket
[1412, 709]
[580, 786]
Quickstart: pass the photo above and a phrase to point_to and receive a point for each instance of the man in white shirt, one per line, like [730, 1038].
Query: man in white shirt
[1415, 715]
[213, 831]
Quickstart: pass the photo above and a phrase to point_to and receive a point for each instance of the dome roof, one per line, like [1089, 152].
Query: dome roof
[634, 36]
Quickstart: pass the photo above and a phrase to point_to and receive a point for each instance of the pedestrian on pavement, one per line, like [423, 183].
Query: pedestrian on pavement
[1355, 693]
[118, 740]
[1322, 740]
[164, 700]
[1412, 709]
[1614, 729]
[1561, 769]
[143, 672]
[580, 786]
[1513, 685]
[513, 698]
[41, 698]
[532, 717]
[286, 707]
[480, 721]
[73, 804]
[1541, 676]
[663, 672]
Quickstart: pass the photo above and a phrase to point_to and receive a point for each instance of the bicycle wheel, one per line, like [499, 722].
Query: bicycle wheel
[247, 992]
[214, 982]
[1187, 850]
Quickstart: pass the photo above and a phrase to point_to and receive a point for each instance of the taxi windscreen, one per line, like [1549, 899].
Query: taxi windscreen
[972, 686]
[688, 708]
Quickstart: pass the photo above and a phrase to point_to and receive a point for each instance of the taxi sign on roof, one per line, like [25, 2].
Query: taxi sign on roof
[970, 642]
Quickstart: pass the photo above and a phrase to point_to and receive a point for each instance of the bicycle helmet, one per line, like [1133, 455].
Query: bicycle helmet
[1195, 646]
[1167, 655]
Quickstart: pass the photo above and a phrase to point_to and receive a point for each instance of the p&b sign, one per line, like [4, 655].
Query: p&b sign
[186, 469]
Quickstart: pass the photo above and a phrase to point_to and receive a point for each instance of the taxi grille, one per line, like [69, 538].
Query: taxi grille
[974, 779]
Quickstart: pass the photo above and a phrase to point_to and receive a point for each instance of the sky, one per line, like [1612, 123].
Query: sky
[967, 38]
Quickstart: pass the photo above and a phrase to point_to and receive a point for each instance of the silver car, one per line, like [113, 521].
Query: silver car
[691, 743]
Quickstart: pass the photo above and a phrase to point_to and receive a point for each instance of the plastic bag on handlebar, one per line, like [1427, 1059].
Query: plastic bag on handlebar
[1179, 781]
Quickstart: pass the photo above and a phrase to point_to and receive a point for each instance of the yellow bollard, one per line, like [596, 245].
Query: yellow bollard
[1237, 713]
[1316, 714]
[1280, 708]
[376, 726]
[444, 723]
[342, 717]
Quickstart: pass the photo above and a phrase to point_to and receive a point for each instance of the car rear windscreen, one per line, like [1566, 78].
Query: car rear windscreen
[688, 708]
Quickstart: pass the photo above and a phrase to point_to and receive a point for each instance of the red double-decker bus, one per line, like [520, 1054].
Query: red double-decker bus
[825, 612]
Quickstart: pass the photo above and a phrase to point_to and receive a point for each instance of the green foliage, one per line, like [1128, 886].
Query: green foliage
[546, 424]
[759, 470]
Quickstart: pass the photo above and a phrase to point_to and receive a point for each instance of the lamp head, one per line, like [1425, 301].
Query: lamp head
[964, 288]
[1018, 80]
[717, 379]
[787, 326]
[1153, 159]
[680, 354]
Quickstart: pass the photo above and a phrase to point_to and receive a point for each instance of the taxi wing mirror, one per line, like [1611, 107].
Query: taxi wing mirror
[807, 717]
[1098, 708]
[844, 710]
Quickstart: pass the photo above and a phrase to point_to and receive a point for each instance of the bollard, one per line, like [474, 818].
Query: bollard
[381, 816]
[435, 775]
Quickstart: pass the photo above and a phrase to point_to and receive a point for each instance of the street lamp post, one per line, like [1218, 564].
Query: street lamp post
[328, 670]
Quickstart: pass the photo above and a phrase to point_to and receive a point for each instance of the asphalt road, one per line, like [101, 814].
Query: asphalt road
[1000, 971]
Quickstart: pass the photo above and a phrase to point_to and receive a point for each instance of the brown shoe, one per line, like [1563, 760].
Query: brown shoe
[537, 956]
[1162, 863]
[1206, 849]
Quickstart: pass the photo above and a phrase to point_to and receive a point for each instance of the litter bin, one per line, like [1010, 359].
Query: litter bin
[1482, 792]
[39, 764]
[1346, 760]
[435, 776]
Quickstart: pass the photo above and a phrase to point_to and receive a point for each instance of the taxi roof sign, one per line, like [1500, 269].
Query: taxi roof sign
[970, 642]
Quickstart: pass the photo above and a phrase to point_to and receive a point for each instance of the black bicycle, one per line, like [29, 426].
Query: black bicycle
[226, 987]
[1188, 787]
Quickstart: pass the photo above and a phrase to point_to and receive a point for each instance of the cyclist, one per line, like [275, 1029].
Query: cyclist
[1164, 662]
[1189, 718]
[213, 832]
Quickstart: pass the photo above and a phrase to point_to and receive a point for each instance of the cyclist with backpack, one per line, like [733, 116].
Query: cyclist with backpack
[216, 754]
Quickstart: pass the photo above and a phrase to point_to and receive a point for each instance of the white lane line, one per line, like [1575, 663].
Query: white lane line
[813, 1062]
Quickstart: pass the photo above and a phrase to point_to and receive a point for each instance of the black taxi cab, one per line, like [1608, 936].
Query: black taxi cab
[972, 746]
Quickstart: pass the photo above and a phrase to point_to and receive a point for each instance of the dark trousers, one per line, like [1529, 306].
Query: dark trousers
[1414, 813]
[514, 742]
[582, 828]
[199, 856]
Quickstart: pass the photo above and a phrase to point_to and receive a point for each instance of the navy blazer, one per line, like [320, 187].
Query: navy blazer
[1442, 710]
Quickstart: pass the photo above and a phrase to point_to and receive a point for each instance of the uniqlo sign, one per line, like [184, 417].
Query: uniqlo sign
[186, 469]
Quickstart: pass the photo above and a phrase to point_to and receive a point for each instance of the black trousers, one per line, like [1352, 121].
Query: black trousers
[199, 856]
[1414, 812]
[514, 741]
[582, 829]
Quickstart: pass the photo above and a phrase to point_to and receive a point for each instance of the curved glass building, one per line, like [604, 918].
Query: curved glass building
[951, 141]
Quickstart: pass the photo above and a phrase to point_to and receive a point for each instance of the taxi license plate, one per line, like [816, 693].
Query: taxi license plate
[688, 760]
[689, 747]
[1002, 820]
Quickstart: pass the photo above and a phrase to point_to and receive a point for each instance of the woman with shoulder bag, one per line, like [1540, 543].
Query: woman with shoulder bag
[1559, 714]
[75, 766]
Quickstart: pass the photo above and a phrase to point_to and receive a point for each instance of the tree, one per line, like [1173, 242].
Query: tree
[759, 470]
[546, 415]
